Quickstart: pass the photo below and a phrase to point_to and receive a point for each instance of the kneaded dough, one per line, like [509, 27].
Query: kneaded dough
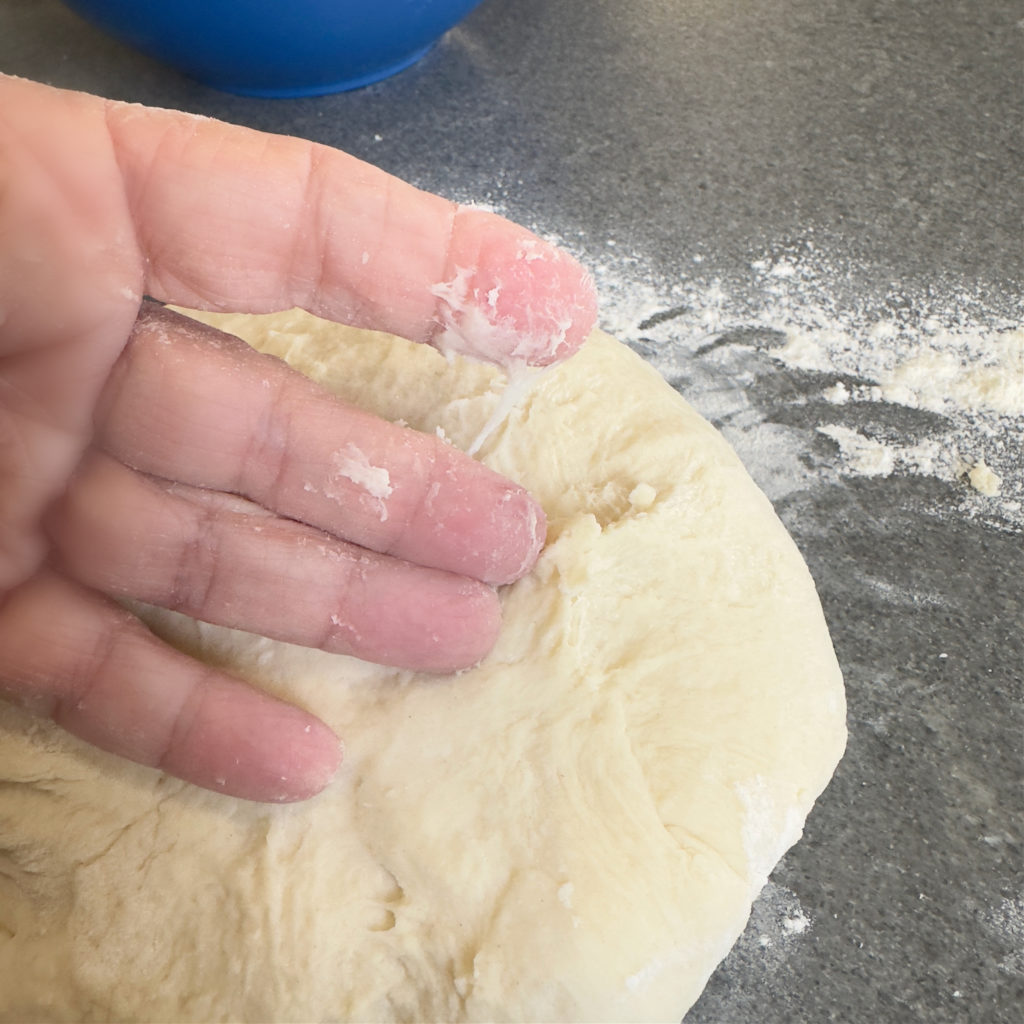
[574, 830]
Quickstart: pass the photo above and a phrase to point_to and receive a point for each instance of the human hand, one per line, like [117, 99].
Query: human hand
[144, 455]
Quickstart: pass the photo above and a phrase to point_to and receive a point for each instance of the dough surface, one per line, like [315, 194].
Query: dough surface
[574, 830]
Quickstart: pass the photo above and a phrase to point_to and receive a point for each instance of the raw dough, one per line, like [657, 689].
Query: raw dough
[575, 830]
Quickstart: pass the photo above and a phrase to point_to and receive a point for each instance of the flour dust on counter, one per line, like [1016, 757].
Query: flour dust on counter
[810, 390]
[574, 830]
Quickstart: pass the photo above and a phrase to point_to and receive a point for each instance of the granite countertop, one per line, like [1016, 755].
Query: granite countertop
[808, 215]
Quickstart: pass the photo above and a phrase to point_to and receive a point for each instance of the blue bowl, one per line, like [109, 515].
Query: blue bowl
[279, 47]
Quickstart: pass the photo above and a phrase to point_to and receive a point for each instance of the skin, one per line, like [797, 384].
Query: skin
[143, 455]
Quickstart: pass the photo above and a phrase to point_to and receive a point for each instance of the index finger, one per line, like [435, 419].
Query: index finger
[101, 202]
[234, 219]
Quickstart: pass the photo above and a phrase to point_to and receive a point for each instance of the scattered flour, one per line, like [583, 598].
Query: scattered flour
[958, 372]
[1006, 923]
[797, 924]
[928, 386]
[771, 826]
[777, 925]
[864, 455]
[565, 892]
[354, 465]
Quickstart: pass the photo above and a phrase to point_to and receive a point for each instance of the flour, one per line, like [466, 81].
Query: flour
[769, 829]
[352, 464]
[1006, 924]
[778, 925]
[809, 393]
[864, 455]
[797, 924]
[954, 371]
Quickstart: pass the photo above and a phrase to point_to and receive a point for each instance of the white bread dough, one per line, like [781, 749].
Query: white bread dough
[574, 830]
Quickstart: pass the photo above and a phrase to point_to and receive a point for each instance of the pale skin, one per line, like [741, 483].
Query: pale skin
[145, 456]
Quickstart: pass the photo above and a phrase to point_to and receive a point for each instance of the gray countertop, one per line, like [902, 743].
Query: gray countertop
[741, 176]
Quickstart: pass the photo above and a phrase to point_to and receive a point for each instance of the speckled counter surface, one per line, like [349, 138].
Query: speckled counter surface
[732, 171]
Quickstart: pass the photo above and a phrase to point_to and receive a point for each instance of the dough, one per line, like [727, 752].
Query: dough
[574, 830]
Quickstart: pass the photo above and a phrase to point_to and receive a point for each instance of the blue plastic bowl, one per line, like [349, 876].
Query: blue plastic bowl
[279, 47]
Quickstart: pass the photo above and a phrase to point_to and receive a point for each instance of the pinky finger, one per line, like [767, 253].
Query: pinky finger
[82, 660]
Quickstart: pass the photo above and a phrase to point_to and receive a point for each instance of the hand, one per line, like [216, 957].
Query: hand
[144, 455]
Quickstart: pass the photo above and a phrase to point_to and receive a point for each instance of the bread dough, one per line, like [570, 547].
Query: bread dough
[574, 830]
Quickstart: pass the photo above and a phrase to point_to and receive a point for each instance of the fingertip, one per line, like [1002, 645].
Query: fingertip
[424, 620]
[313, 762]
[471, 622]
[526, 528]
[249, 745]
[512, 297]
[583, 322]
[573, 285]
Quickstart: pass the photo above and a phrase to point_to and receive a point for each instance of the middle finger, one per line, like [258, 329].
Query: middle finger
[187, 402]
[224, 560]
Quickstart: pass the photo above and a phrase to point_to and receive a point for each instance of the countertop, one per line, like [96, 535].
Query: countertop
[790, 208]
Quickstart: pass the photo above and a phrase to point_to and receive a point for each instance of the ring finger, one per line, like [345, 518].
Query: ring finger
[225, 560]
